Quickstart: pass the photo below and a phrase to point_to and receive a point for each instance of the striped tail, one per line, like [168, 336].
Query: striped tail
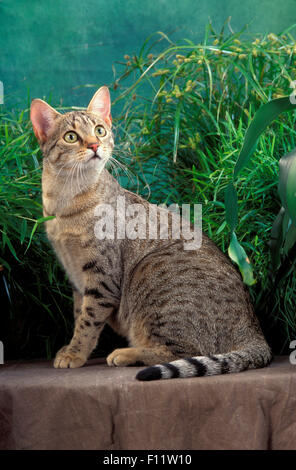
[250, 357]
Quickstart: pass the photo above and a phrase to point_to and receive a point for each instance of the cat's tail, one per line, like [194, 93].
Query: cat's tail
[252, 356]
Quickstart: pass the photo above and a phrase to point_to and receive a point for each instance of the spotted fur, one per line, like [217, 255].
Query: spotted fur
[184, 313]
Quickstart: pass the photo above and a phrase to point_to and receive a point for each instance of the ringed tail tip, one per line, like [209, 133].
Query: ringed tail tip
[150, 373]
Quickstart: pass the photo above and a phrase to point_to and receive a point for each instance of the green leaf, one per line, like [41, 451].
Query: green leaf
[38, 222]
[287, 266]
[44, 219]
[31, 236]
[6, 241]
[221, 228]
[290, 238]
[276, 240]
[177, 130]
[285, 165]
[23, 230]
[262, 119]
[287, 185]
[5, 264]
[238, 255]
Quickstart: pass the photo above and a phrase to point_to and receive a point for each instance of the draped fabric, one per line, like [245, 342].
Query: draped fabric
[98, 407]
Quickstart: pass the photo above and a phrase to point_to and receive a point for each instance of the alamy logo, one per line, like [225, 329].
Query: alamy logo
[138, 221]
[1, 93]
[293, 353]
[1, 353]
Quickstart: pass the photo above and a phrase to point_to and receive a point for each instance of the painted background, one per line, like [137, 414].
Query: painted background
[49, 47]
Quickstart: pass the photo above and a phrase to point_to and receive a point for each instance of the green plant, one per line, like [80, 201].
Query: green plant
[283, 233]
[181, 114]
[32, 288]
[185, 117]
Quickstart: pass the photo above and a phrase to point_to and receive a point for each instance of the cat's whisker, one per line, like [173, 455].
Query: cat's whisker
[82, 173]
[117, 163]
[122, 155]
[79, 178]
[123, 168]
[114, 168]
[75, 168]
[63, 166]
[76, 179]
[70, 178]
[66, 180]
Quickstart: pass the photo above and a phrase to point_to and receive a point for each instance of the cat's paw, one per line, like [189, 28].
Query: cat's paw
[122, 357]
[68, 359]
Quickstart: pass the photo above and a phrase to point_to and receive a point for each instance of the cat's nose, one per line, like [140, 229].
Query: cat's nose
[93, 146]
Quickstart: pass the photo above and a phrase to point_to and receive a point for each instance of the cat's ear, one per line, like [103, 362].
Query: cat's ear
[101, 104]
[43, 117]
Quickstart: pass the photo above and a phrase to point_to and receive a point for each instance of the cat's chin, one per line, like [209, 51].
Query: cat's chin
[96, 157]
[96, 162]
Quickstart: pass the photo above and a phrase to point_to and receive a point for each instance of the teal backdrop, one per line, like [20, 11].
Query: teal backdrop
[48, 48]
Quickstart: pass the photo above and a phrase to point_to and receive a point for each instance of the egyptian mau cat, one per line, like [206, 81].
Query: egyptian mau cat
[184, 312]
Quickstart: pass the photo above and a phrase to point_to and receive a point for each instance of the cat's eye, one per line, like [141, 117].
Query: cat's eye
[71, 137]
[100, 131]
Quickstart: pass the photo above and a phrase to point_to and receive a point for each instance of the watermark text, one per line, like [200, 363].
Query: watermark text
[149, 221]
[292, 356]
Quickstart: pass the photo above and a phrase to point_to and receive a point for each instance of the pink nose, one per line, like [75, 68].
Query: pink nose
[93, 146]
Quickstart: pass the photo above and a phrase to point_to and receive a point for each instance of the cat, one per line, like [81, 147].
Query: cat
[184, 312]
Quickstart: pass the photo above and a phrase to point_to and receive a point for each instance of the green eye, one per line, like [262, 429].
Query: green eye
[71, 137]
[100, 131]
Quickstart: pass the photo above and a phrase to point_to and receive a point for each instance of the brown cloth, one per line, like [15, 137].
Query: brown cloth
[98, 407]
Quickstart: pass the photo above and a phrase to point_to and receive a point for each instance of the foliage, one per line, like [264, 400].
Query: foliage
[185, 117]
[33, 290]
[182, 111]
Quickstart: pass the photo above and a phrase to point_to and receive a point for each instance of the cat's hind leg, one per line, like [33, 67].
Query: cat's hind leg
[137, 356]
[143, 350]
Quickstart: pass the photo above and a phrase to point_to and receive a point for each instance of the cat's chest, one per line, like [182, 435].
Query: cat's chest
[68, 244]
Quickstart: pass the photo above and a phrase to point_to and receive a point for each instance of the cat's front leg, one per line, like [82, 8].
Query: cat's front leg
[77, 303]
[88, 326]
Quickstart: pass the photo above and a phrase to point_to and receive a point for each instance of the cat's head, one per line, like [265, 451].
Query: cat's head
[77, 136]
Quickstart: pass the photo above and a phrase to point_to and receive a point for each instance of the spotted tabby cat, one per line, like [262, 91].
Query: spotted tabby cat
[185, 313]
